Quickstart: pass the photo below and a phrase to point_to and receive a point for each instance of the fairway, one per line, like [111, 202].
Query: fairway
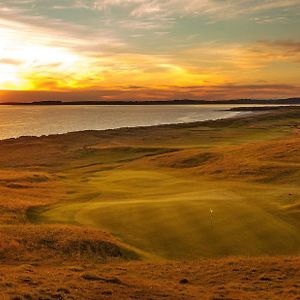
[175, 218]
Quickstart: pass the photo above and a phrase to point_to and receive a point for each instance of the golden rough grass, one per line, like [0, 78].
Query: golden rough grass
[230, 278]
[56, 242]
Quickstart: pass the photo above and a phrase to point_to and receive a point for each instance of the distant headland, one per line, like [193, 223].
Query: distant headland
[286, 101]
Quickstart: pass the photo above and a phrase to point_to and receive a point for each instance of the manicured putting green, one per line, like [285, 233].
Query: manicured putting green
[169, 216]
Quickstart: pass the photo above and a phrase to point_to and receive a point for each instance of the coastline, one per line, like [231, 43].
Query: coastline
[234, 114]
[235, 111]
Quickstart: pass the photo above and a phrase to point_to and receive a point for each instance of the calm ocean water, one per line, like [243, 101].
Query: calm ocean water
[16, 121]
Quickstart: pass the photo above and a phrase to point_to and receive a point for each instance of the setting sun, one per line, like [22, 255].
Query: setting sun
[168, 50]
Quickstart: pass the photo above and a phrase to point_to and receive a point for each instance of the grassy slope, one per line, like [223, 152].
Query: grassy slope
[153, 189]
[232, 278]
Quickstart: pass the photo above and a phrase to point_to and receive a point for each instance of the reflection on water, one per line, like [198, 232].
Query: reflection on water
[44, 120]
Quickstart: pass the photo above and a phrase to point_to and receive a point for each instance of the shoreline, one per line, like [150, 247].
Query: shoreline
[237, 114]
[243, 113]
[240, 111]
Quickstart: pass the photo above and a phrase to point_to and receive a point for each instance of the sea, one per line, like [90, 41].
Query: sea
[17, 121]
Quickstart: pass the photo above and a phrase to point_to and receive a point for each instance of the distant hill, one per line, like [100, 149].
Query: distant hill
[289, 101]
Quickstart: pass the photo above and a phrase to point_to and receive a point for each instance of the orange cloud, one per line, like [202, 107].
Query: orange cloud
[71, 59]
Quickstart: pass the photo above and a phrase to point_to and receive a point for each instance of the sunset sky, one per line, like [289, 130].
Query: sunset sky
[149, 49]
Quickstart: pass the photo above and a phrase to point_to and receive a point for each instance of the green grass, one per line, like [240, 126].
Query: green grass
[169, 216]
